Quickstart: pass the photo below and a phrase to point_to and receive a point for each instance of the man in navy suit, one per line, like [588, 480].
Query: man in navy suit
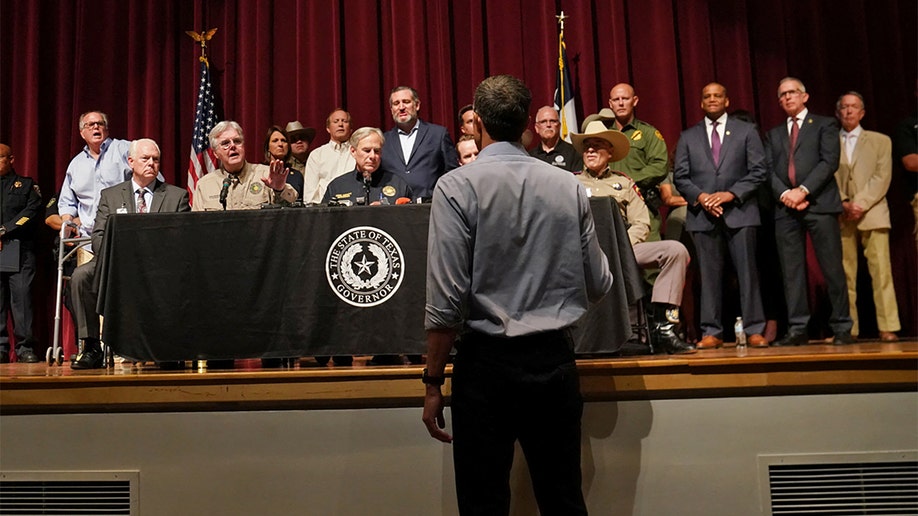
[419, 151]
[803, 154]
[143, 193]
[719, 165]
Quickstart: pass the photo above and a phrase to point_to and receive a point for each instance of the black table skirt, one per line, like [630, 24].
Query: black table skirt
[246, 284]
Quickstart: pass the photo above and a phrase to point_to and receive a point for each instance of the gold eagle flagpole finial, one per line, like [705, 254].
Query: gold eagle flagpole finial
[203, 38]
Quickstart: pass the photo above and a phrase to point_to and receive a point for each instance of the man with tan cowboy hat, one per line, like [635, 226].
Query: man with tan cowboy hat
[599, 147]
[299, 138]
[646, 163]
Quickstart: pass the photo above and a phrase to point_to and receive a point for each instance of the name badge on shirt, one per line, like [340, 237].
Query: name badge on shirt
[122, 209]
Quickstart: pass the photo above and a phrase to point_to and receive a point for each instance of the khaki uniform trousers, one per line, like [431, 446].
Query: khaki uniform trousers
[876, 250]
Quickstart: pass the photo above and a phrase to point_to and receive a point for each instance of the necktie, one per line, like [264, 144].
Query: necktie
[850, 141]
[141, 201]
[715, 142]
[791, 168]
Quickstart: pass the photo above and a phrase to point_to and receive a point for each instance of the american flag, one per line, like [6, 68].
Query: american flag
[202, 160]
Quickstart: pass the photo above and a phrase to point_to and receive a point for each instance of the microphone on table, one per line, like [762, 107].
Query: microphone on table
[225, 191]
[366, 187]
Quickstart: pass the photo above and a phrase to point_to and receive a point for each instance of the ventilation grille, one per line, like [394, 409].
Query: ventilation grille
[71, 493]
[842, 489]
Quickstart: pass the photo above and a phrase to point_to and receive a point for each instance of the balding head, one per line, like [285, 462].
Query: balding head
[622, 101]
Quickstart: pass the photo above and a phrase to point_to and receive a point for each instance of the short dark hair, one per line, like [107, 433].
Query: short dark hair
[502, 103]
[467, 107]
[414, 92]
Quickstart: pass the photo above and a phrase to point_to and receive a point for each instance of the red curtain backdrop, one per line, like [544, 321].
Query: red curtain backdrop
[274, 61]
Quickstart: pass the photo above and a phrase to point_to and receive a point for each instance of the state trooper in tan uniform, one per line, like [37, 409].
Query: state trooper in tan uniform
[599, 147]
[248, 185]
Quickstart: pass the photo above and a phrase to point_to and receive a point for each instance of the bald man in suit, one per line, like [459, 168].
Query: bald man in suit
[863, 177]
[143, 193]
[802, 180]
[719, 165]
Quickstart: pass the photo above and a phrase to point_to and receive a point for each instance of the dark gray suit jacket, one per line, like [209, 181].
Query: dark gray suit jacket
[816, 157]
[432, 156]
[166, 198]
[740, 171]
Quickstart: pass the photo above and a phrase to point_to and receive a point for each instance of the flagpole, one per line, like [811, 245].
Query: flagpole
[561, 63]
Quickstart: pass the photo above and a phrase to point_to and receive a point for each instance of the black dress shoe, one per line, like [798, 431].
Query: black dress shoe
[842, 339]
[90, 358]
[792, 339]
[322, 359]
[28, 357]
[343, 360]
[272, 363]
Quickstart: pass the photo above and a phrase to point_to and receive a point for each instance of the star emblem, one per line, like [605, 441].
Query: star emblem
[363, 265]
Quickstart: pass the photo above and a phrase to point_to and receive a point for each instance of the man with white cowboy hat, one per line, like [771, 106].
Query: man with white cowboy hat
[599, 147]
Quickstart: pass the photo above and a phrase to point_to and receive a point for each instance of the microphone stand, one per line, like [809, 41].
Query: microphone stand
[366, 188]
[225, 191]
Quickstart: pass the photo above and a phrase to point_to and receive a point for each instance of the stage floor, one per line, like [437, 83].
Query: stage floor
[813, 369]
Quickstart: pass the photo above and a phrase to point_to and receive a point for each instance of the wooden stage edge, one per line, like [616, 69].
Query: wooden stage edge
[812, 369]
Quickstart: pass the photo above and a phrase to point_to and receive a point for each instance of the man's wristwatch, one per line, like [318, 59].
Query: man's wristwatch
[432, 380]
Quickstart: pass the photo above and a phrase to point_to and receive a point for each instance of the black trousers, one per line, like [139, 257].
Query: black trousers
[16, 297]
[526, 389]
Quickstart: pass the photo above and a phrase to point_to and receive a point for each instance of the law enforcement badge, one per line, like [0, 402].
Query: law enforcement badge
[256, 188]
[637, 135]
[616, 186]
[17, 184]
[364, 266]
[559, 159]
[388, 191]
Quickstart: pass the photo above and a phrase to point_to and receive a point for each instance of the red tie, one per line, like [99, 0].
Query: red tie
[791, 168]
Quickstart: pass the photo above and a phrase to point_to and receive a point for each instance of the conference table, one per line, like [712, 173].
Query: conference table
[296, 282]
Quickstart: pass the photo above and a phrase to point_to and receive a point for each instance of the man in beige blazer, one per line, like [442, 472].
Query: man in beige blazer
[863, 176]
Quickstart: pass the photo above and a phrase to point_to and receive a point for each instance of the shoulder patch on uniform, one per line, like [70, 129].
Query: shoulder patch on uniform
[659, 135]
[35, 187]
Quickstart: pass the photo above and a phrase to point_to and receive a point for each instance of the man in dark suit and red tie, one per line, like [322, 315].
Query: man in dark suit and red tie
[719, 165]
[418, 150]
[803, 154]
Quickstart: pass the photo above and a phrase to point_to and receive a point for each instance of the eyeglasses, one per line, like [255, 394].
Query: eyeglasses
[96, 123]
[226, 144]
[547, 122]
[789, 93]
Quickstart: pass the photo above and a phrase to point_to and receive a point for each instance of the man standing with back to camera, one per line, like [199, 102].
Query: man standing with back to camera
[492, 279]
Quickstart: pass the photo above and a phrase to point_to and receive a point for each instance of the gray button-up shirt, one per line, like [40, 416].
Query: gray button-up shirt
[512, 248]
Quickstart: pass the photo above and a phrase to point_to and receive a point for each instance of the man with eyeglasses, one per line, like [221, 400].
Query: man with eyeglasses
[238, 184]
[601, 147]
[103, 162]
[551, 148]
[142, 193]
[802, 154]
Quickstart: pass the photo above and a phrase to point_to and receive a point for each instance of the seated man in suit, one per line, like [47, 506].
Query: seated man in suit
[720, 164]
[600, 146]
[143, 193]
[418, 150]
